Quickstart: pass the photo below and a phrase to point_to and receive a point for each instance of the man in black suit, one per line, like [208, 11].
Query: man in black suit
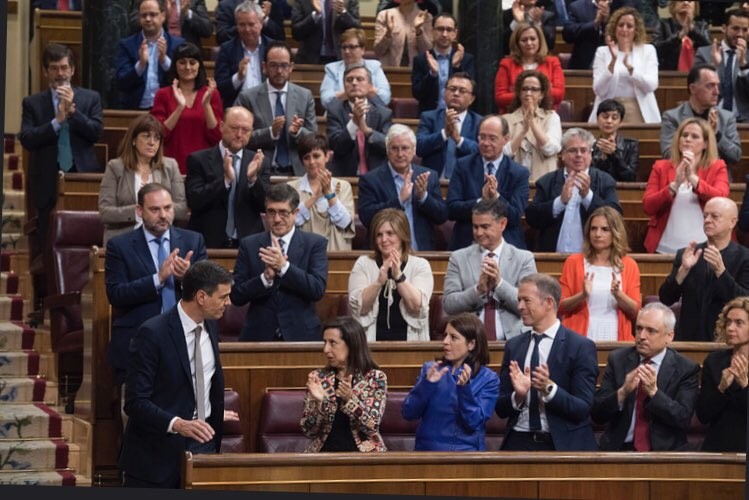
[707, 275]
[175, 383]
[317, 26]
[648, 392]
[432, 69]
[59, 126]
[225, 185]
[357, 125]
[275, 11]
[282, 273]
[239, 60]
[184, 18]
[564, 198]
[551, 365]
[143, 269]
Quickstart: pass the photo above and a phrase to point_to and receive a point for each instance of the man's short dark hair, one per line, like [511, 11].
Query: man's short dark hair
[275, 44]
[608, 105]
[282, 193]
[464, 76]
[357, 65]
[203, 275]
[547, 286]
[497, 208]
[162, 4]
[446, 15]
[735, 12]
[695, 73]
[151, 187]
[54, 52]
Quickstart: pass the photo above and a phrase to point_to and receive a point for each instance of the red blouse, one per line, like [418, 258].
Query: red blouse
[504, 83]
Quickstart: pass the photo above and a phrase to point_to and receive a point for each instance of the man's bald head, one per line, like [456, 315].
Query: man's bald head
[719, 218]
[237, 128]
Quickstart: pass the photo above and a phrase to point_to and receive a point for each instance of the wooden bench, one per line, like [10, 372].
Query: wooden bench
[581, 475]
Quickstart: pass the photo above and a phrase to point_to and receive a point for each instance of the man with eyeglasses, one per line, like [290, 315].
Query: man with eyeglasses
[566, 197]
[356, 127]
[433, 68]
[283, 112]
[317, 24]
[281, 273]
[143, 59]
[352, 52]
[239, 61]
[402, 185]
[225, 185]
[447, 134]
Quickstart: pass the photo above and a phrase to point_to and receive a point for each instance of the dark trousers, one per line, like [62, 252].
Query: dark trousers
[528, 441]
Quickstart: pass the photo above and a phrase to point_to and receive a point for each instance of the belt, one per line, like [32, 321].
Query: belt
[535, 436]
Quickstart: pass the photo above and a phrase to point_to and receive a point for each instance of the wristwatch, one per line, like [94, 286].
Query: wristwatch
[549, 387]
[401, 279]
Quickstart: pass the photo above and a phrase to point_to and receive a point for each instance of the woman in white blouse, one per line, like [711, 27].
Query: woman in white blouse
[627, 68]
[389, 292]
[535, 128]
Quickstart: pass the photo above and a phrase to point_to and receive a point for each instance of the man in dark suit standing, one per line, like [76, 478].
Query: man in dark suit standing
[59, 126]
[399, 184]
[486, 175]
[225, 185]
[281, 273]
[432, 68]
[317, 25]
[648, 392]
[240, 59]
[549, 364]
[184, 18]
[707, 275]
[142, 59]
[275, 11]
[564, 198]
[357, 125]
[448, 133]
[283, 113]
[143, 270]
[175, 383]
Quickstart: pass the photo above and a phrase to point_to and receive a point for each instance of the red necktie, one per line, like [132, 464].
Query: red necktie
[490, 312]
[63, 5]
[642, 425]
[361, 141]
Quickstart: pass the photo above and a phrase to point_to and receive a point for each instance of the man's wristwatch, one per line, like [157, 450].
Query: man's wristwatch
[549, 387]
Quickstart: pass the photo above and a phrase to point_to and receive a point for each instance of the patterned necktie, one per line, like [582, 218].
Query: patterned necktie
[490, 312]
[727, 81]
[282, 147]
[199, 375]
[64, 151]
[230, 221]
[534, 414]
[641, 438]
[282, 244]
[168, 297]
[490, 168]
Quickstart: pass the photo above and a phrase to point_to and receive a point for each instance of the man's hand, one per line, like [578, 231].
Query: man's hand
[254, 166]
[231, 416]
[540, 377]
[741, 51]
[317, 5]
[161, 46]
[421, 183]
[602, 15]
[199, 430]
[631, 381]
[490, 189]
[582, 181]
[689, 258]
[296, 124]
[648, 378]
[715, 53]
[167, 267]
[181, 265]
[432, 63]
[568, 188]
[272, 256]
[518, 13]
[712, 118]
[242, 71]
[458, 55]
[143, 53]
[714, 259]
[338, 7]
[184, 8]
[266, 6]
[407, 188]
[521, 381]
[277, 127]
[228, 168]
[451, 124]
[490, 271]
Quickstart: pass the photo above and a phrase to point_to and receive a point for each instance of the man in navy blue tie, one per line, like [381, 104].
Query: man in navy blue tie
[548, 376]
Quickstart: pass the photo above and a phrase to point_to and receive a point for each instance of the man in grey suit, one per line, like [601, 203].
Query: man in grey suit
[704, 87]
[730, 57]
[483, 278]
[357, 125]
[283, 111]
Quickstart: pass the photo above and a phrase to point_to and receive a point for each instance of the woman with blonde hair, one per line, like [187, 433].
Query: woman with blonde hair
[535, 128]
[601, 285]
[527, 51]
[140, 161]
[626, 68]
[677, 38]
[389, 291]
[679, 187]
[721, 404]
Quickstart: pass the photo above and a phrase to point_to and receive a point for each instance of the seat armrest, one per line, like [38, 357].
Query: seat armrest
[62, 300]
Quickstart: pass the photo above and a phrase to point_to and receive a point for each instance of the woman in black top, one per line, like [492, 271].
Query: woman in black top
[616, 155]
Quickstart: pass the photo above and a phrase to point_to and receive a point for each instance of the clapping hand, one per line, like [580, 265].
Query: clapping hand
[588, 284]
[465, 375]
[521, 380]
[344, 387]
[178, 95]
[254, 166]
[210, 89]
[490, 189]
[714, 259]
[314, 386]
[436, 371]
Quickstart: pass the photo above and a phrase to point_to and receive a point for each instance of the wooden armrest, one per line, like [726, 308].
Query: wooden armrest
[62, 300]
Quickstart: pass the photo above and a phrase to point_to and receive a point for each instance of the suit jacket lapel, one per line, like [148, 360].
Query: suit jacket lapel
[557, 348]
[523, 351]
[176, 241]
[296, 248]
[264, 105]
[142, 250]
[474, 263]
[666, 371]
[48, 108]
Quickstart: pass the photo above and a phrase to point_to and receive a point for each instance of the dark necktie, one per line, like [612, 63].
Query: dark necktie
[490, 168]
[727, 81]
[282, 244]
[64, 151]
[282, 147]
[641, 438]
[450, 154]
[490, 312]
[534, 414]
[168, 297]
[199, 375]
[230, 220]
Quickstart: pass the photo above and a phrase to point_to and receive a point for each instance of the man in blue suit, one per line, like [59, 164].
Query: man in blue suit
[239, 61]
[143, 276]
[488, 174]
[445, 135]
[175, 384]
[281, 273]
[399, 184]
[143, 59]
[548, 364]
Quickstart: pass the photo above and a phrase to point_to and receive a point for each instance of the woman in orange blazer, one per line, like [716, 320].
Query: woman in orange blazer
[601, 285]
[692, 176]
[527, 51]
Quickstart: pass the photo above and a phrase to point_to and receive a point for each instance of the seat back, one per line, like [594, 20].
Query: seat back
[404, 107]
[230, 324]
[232, 439]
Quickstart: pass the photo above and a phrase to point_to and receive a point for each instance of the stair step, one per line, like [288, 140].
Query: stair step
[15, 260]
[21, 363]
[14, 200]
[36, 454]
[13, 180]
[63, 477]
[28, 390]
[24, 421]
[15, 336]
[11, 308]
[9, 283]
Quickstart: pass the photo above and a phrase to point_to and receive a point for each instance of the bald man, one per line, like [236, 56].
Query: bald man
[225, 185]
[707, 275]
